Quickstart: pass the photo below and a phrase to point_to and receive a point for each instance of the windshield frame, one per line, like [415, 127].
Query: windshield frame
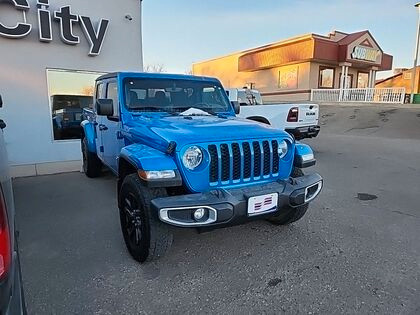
[229, 107]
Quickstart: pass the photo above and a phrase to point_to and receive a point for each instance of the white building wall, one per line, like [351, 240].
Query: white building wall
[23, 78]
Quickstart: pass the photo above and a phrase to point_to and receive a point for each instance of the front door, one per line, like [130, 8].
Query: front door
[100, 93]
[111, 140]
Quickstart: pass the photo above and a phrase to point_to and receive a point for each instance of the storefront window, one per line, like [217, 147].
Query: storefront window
[288, 78]
[69, 92]
[362, 80]
[326, 77]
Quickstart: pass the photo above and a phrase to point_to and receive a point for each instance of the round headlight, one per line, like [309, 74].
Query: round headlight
[192, 157]
[282, 150]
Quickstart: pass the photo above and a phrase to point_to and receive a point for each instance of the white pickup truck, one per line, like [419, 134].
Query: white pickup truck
[300, 120]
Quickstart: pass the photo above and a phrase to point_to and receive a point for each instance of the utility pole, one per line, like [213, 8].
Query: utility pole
[416, 53]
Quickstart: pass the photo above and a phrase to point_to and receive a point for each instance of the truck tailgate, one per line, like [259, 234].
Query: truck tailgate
[308, 114]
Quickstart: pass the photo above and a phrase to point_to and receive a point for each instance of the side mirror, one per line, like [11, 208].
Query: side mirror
[1, 102]
[104, 107]
[236, 107]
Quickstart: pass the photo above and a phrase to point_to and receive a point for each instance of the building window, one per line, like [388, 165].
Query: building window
[407, 75]
[69, 92]
[288, 78]
[362, 80]
[326, 77]
[349, 81]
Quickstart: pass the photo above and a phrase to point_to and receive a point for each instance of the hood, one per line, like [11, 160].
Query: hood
[184, 130]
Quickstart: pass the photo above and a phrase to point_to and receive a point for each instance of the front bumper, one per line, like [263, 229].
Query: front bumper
[224, 207]
[304, 132]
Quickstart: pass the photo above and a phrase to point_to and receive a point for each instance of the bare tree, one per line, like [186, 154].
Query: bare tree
[88, 90]
[189, 71]
[157, 68]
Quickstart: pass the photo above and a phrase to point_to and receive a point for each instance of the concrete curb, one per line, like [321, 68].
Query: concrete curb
[385, 105]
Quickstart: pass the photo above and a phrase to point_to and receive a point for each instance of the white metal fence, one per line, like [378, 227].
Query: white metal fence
[368, 95]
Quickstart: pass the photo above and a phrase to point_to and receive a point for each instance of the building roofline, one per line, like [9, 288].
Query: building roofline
[409, 70]
[273, 44]
[389, 78]
[291, 40]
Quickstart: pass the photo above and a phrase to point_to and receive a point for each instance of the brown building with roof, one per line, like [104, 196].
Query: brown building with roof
[401, 79]
[288, 70]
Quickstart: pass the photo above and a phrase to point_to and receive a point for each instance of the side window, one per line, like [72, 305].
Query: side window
[99, 91]
[242, 98]
[112, 93]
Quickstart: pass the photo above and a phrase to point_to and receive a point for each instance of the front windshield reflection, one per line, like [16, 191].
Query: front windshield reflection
[175, 96]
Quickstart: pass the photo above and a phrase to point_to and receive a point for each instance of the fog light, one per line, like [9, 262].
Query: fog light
[199, 214]
[151, 175]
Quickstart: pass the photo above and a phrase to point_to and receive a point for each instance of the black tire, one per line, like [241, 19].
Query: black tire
[92, 165]
[290, 214]
[145, 236]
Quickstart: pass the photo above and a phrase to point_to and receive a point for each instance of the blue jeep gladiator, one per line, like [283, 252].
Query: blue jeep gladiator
[184, 159]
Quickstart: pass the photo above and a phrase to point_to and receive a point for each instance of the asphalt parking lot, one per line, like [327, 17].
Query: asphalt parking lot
[347, 255]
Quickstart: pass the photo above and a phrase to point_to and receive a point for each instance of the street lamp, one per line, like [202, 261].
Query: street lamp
[416, 52]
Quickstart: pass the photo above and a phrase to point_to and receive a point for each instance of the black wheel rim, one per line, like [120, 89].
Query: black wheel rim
[133, 220]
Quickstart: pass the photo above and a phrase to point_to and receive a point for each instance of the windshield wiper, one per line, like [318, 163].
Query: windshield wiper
[146, 108]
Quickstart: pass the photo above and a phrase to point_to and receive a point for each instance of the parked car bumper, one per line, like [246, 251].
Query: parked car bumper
[225, 207]
[304, 132]
[15, 303]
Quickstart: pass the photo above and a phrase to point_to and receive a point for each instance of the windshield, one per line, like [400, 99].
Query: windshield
[175, 96]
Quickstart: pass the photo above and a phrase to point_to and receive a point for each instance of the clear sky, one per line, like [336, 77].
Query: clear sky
[177, 33]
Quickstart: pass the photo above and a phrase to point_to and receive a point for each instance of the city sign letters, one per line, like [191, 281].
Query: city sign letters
[65, 18]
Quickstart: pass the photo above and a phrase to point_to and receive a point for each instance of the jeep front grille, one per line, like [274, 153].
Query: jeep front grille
[236, 162]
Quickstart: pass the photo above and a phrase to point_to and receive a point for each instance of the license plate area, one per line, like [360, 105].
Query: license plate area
[262, 204]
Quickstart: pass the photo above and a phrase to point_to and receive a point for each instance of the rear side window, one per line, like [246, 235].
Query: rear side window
[242, 99]
[112, 93]
[100, 91]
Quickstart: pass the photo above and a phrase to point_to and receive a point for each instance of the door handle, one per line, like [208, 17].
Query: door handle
[102, 127]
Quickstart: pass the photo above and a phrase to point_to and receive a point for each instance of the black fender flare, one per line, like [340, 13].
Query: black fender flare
[259, 119]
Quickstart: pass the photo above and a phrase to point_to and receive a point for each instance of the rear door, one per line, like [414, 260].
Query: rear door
[308, 114]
